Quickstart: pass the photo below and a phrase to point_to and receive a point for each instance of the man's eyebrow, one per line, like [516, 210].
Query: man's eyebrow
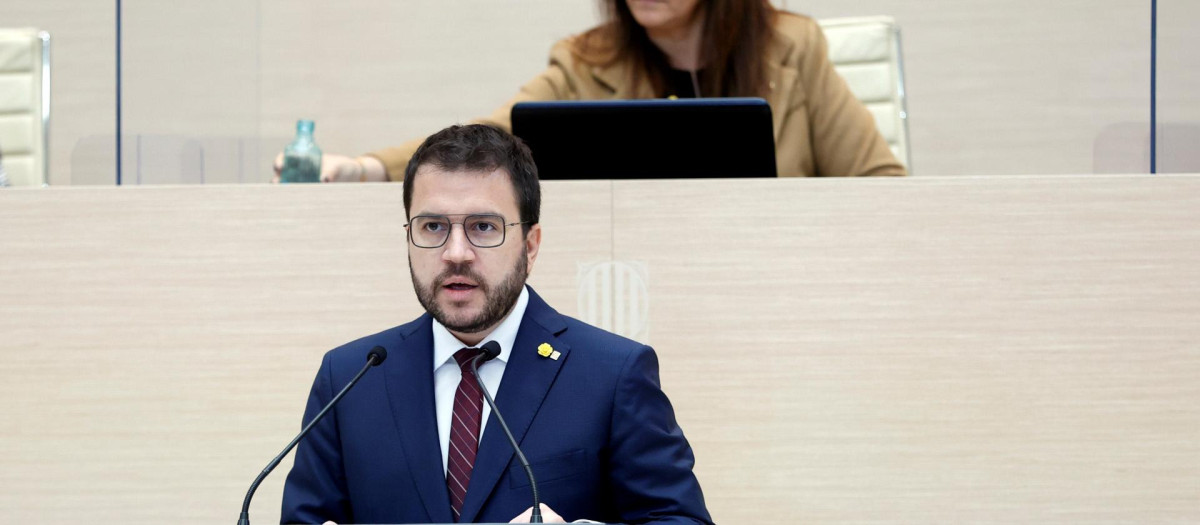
[435, 214]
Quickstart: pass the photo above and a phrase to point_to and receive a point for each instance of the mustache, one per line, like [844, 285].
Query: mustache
[459, 270]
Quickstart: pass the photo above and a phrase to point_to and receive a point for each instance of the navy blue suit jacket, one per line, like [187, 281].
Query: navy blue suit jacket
[599, 432]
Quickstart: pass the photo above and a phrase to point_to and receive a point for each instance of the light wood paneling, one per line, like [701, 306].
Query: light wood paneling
[157, 344]
[1013, 350]
[1018, 349]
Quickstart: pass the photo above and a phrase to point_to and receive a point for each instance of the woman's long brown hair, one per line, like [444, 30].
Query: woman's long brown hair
[733, 48]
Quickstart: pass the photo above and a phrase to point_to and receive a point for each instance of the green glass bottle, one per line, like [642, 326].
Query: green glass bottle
[302, 158]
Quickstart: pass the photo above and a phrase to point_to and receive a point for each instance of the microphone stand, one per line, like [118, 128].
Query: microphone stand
[376, 356]
[536, 516]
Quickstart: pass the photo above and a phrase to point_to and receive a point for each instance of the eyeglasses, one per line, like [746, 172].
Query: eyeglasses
[483, 231]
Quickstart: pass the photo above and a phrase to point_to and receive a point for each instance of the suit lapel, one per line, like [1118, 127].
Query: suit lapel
[527, 378]
[782, 80]
[615, 77]
[410, 394]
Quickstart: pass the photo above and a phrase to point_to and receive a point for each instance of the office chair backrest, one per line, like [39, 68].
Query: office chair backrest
[24, 105]
[866, 52]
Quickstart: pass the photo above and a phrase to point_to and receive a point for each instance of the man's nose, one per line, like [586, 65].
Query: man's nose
[458, 248]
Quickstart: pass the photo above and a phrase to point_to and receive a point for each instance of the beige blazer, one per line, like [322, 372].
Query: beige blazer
[821, 129]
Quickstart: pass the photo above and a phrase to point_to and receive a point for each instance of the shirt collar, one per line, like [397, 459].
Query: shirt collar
[445, 344]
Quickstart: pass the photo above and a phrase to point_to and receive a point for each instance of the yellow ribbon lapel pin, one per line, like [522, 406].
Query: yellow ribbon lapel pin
[545, 350]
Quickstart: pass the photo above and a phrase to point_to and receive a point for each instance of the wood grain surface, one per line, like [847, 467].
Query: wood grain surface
[1009, 349]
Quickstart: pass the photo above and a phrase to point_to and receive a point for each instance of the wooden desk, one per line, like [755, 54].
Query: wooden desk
[1018, 349]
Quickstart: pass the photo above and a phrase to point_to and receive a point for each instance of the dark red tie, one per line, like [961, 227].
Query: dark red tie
[464, 431]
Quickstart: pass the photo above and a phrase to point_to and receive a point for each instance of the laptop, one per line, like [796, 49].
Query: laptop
[648, 139]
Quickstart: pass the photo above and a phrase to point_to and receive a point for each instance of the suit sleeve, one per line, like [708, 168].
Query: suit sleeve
[651, 461]
[315, 490]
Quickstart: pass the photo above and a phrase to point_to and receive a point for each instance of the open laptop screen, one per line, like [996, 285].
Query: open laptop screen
[648, 139]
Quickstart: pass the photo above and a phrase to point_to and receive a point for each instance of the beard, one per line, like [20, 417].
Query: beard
[498, 299]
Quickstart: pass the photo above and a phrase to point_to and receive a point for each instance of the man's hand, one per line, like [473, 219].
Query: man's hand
[548, 515]
[340, 168]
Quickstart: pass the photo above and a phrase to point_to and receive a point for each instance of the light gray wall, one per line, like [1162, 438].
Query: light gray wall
[212, 90]
[1178, 86]
[83, 83]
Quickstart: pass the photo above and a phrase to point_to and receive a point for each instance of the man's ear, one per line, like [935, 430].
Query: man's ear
[533, 242]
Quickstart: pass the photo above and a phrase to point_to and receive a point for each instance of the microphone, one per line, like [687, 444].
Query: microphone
[374, 358]
[490, 350]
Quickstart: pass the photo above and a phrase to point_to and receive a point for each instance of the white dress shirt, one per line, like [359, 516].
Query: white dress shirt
[446, 373]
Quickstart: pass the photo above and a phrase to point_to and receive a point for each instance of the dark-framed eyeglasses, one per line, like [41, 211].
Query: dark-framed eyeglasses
[482, 230]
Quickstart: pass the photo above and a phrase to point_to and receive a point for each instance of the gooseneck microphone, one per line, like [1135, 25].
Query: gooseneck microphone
[490, 350]
[374, 358]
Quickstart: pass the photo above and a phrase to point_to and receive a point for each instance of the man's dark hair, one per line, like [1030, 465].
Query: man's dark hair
[478, 147]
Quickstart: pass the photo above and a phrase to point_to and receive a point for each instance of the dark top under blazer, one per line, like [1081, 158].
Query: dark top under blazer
[595, 424]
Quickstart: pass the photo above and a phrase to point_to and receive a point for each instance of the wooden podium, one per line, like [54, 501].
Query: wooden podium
[1007, 349]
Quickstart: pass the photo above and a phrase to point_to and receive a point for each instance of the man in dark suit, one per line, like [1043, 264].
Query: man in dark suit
[414, 442]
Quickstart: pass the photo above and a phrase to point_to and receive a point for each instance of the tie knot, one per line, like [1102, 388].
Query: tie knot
[464, 357]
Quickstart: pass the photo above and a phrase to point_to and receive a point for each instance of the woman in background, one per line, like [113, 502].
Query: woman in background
[697, 48]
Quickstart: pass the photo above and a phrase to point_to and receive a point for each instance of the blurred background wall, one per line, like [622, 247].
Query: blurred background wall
[212, 90]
